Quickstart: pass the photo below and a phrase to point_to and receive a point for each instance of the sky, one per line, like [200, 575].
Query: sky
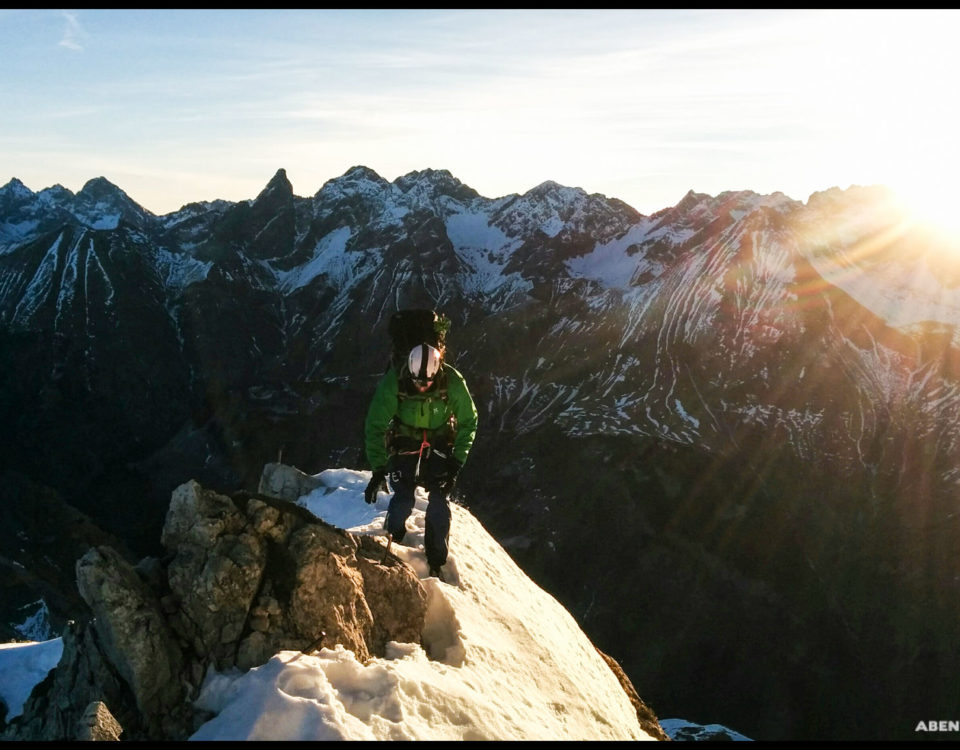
[176, 106]
[501, 660]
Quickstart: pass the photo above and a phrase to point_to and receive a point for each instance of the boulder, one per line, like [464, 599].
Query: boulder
[286, 482]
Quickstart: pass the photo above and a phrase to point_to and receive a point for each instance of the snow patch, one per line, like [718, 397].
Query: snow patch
[106, 221]
[552, 226]
[40, 284]
[683, 414]
[472, 231]
[609, 263]
[30, 663]
[329, 258]
[179, 271]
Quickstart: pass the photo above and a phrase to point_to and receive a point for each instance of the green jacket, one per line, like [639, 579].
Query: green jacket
[417, 412]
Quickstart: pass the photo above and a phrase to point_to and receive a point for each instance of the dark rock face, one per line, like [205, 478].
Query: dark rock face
[685, 397]
[243, 579]
[41, 538]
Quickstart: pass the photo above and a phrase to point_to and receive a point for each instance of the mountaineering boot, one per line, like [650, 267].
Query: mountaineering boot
[436, 572]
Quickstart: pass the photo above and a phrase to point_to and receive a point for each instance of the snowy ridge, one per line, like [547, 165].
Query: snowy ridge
[500, 660]
[486, 232]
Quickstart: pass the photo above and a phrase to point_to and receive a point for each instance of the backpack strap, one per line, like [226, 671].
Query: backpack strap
[403, 393]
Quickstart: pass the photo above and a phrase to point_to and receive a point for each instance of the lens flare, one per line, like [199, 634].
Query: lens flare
[934, 208]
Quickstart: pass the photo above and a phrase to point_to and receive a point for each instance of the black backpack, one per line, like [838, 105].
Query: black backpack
[408, 328]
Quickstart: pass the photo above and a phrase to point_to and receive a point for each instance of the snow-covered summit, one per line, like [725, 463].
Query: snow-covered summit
[359, 180]
[102, 205]
[15, 190]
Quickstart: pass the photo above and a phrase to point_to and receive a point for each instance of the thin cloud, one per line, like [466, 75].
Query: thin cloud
[73, 33]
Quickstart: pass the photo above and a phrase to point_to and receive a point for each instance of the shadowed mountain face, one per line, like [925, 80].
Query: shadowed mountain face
[724, 435]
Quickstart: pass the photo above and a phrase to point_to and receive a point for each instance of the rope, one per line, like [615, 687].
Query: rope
[424, 444]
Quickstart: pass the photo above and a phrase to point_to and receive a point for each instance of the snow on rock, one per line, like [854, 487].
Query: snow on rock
[500, 660]
[30, 663]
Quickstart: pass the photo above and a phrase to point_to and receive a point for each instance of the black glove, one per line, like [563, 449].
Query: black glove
[453, 471]
[377, 484]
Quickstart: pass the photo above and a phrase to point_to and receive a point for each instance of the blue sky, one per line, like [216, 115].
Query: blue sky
[177, 106]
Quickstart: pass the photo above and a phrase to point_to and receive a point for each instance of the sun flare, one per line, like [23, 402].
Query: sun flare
[935, 207]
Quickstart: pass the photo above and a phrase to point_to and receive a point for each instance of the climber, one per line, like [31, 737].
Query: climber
[419, 429]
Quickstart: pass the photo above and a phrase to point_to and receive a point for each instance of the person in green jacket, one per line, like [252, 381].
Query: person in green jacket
[419, 430]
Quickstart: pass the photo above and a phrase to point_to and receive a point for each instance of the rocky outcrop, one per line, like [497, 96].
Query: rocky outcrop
[286, 482]
[98, 724]
[243, 578]
[647, 718]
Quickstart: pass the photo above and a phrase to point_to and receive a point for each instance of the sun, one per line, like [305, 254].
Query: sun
[885, 102]
[934, 207]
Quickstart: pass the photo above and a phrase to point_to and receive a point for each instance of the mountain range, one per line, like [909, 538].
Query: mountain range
[761, 391]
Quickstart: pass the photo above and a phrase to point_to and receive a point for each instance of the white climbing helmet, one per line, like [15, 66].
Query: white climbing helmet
[423, 362]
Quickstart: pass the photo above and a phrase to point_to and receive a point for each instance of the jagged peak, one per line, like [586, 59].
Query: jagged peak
[688, 203]
[98, 195]
[549, 187]
[691, 199]
[280, 178]
[99, 186]
[736, 195]
[279, 185]
[695, 204]
[435, 181]
[356, 180]
[748, 200]
[429, 175]
[56, 195]
[546, 186]
[836, 194]
[554, 194]
[15, 187]
[57, 191]
[360, 172]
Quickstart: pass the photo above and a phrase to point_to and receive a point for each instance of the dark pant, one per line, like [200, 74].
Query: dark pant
[404, 480]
